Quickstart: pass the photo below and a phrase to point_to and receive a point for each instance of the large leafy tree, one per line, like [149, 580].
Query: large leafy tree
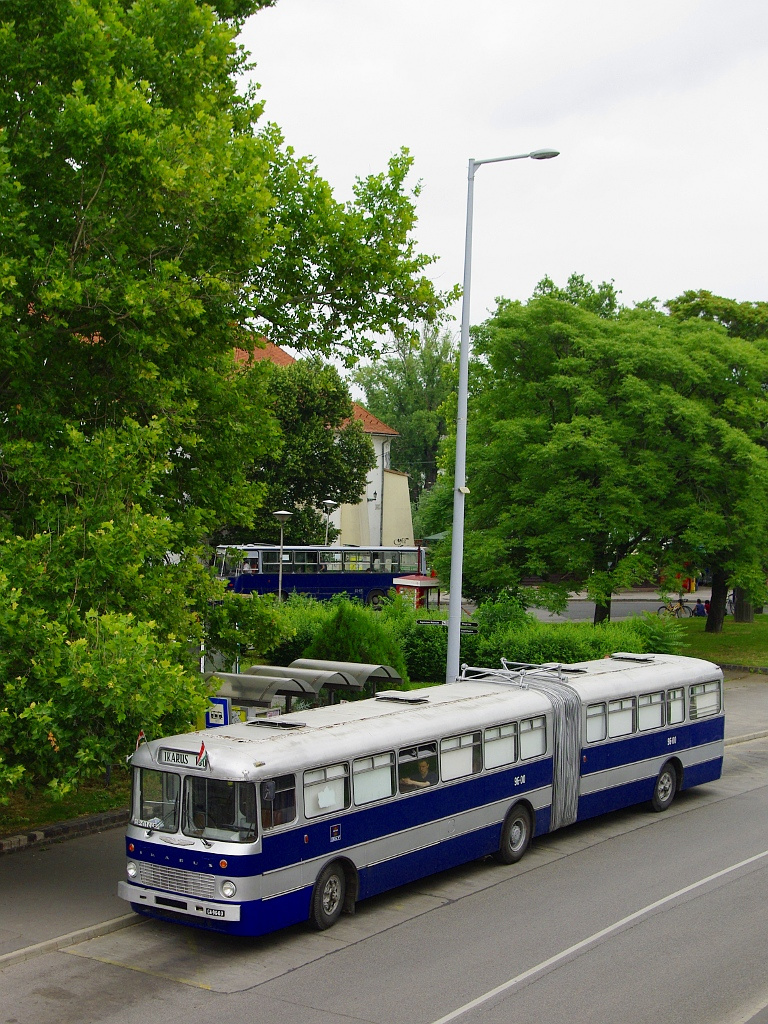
[407, 389]
[322, 453]
[146, 220]
[603, 448]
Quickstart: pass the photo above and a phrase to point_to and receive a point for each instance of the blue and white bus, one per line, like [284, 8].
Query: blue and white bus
[248, 828]
[318, 570]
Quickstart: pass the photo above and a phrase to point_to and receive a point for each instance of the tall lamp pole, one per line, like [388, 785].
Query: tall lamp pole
[282, 518]
[329, 507]
[460, 483]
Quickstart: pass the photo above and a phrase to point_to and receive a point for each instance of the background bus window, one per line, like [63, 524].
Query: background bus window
[596, 723]
[460, 756]
[501, 745]
[650, 711]
[675, 706]
[621, 717]
[409, 561]
[533, 737]
[373, 778]
[326, 790]
[278, 801]
[705, 700]
[330, 561]
[357, 561]
[417, 768]
[305, 561]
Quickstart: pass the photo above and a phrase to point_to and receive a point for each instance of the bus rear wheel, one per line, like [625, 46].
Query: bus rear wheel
[376, 599]
[328, 897]
[515, 836]
[665, 788]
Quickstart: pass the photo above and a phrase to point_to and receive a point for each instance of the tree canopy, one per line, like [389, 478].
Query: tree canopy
[602, 450]
[148, 224]
[407, 390]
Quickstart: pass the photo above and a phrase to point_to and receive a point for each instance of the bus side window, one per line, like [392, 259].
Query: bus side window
[597, 728]
[326, 790]
[533, 737]
[417, 767]
[705, 700]
[650, 711]
[460, 756]
[278, 801]
[373, 778]
[621, 717]
[501, 745]
[675, 706]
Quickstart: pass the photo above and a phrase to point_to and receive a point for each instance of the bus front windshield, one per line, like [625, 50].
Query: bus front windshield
[219, 809]
[213, 809]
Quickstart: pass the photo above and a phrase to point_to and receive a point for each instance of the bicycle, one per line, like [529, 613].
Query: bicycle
[679, 608]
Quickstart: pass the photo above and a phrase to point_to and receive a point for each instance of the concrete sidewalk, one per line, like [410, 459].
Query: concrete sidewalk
[54, 894]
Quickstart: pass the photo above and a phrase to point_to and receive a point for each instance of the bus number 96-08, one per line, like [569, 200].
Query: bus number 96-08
[519, 780]
[671, 741]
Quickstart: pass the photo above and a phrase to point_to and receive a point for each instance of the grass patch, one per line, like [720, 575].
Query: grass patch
[740, 643]
[27, 811]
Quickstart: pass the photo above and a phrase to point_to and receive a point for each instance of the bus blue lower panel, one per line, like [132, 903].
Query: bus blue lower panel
[641, 790]
[707, 771]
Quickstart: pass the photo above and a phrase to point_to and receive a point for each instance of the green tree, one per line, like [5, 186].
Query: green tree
[748, 320]
[601, 449]
[322, 453]
[145, 220]
[407, 390]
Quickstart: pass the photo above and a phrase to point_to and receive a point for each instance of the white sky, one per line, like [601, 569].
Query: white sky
[658, 109]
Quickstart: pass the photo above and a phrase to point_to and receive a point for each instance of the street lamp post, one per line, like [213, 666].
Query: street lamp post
[282, 518]
[460, 483]
[329, 507]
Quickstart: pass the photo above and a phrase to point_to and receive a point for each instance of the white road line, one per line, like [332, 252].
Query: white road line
[594, 939]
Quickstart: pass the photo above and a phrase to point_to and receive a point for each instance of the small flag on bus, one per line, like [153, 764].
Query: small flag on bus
[141, 738]
[202, 757]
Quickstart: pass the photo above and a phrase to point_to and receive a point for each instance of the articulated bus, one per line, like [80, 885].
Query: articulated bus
[318, 570]
[249, 828]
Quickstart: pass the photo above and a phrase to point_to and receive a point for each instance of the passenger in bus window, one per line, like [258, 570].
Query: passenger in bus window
[424, 779]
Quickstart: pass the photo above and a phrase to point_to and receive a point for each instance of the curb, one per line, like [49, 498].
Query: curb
[64, 830]
[93, 931]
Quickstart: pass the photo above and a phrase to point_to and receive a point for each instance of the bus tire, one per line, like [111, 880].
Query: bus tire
[328, 896]
[665, 788]
[515, 835]
[376, 598]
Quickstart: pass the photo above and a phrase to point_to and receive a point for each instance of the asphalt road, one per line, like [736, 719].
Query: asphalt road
[634, 917]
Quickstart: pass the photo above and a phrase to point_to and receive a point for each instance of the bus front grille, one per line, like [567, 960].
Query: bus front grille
[191, 883]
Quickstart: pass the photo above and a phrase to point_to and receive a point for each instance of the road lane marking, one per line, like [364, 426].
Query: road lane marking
[593, 940]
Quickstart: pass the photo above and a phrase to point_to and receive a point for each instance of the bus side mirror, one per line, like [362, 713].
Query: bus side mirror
[268, 791]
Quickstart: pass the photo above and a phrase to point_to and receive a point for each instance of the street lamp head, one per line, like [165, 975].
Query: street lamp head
[282, 516]
[544, 154]
[329, 504]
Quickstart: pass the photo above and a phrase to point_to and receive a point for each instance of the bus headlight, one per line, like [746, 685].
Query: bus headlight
[228, 889]
[131, 869]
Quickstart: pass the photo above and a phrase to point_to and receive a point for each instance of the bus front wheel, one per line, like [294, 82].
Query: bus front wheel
[515, 835]
[665, 788]
[328, 897]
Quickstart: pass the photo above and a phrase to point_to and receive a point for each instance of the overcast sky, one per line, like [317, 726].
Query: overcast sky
[658, 110]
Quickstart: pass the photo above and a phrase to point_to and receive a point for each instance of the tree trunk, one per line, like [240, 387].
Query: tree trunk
[743, 611]
[602, 613]
[717, 604]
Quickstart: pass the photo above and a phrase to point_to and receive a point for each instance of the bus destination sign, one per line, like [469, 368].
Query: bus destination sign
[180, 759]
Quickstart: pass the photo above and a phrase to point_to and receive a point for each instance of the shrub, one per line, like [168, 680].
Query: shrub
[352, 633]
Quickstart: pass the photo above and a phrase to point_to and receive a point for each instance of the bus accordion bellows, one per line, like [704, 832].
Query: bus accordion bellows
[249, 828]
